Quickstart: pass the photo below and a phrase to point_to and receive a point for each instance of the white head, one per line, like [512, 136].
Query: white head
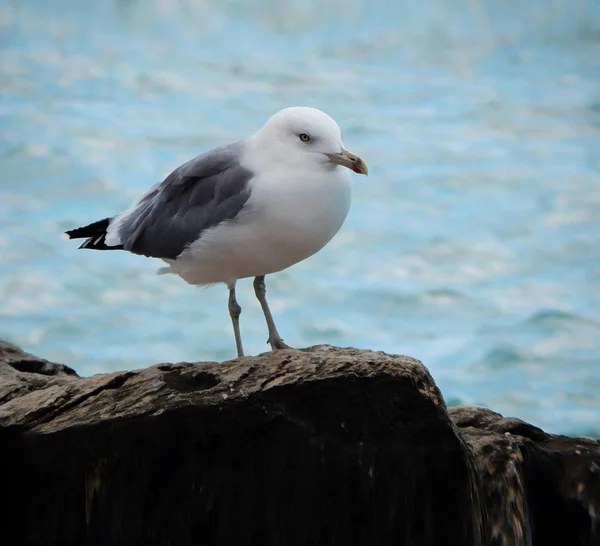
[303, 137]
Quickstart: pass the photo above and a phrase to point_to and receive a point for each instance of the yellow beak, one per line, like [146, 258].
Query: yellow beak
[349, 160]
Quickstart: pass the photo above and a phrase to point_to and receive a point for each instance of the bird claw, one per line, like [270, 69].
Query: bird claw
[277, 344]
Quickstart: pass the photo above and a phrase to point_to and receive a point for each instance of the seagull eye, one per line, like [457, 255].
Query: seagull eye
[303, 137]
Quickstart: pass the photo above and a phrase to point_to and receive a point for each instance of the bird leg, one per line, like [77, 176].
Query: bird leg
[260, 289]
[234, 312]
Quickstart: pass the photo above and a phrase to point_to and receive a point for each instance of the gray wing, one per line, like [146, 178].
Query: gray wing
[200, 194]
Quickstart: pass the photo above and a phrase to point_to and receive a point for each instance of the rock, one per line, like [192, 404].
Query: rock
[320, 446]
[539, 488]
[21, 373]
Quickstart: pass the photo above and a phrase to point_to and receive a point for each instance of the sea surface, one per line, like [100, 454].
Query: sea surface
[474, 244]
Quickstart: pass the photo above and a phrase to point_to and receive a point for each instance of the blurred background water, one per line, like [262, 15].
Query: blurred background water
[473, 245]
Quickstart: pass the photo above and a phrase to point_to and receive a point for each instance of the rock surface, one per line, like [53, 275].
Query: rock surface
[320, 446]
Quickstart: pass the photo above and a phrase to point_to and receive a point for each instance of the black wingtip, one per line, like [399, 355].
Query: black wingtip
[92, 230]
[94, 235]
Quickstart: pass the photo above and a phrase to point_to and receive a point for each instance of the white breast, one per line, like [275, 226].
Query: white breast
[284, 222]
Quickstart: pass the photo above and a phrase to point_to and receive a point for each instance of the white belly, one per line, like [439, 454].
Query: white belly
[283, 223]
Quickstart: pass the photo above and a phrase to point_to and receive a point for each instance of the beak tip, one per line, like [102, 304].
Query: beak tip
[361, 168]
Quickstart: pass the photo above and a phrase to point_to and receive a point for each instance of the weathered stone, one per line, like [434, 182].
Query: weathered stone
[321, 446]
[539, 488]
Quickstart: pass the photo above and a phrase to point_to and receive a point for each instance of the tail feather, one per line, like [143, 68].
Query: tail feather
[95, 235]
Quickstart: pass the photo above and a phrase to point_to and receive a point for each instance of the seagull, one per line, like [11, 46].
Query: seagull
[246, 209]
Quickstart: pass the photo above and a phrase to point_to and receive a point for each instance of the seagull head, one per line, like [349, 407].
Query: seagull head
[303, 137]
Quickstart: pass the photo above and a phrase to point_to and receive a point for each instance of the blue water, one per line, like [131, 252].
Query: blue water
[474, 245]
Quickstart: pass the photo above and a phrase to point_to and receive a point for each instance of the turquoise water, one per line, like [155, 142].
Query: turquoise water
[474, 245]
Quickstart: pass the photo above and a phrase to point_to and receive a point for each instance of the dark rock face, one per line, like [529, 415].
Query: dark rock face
[548, 486]
[322, 446]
